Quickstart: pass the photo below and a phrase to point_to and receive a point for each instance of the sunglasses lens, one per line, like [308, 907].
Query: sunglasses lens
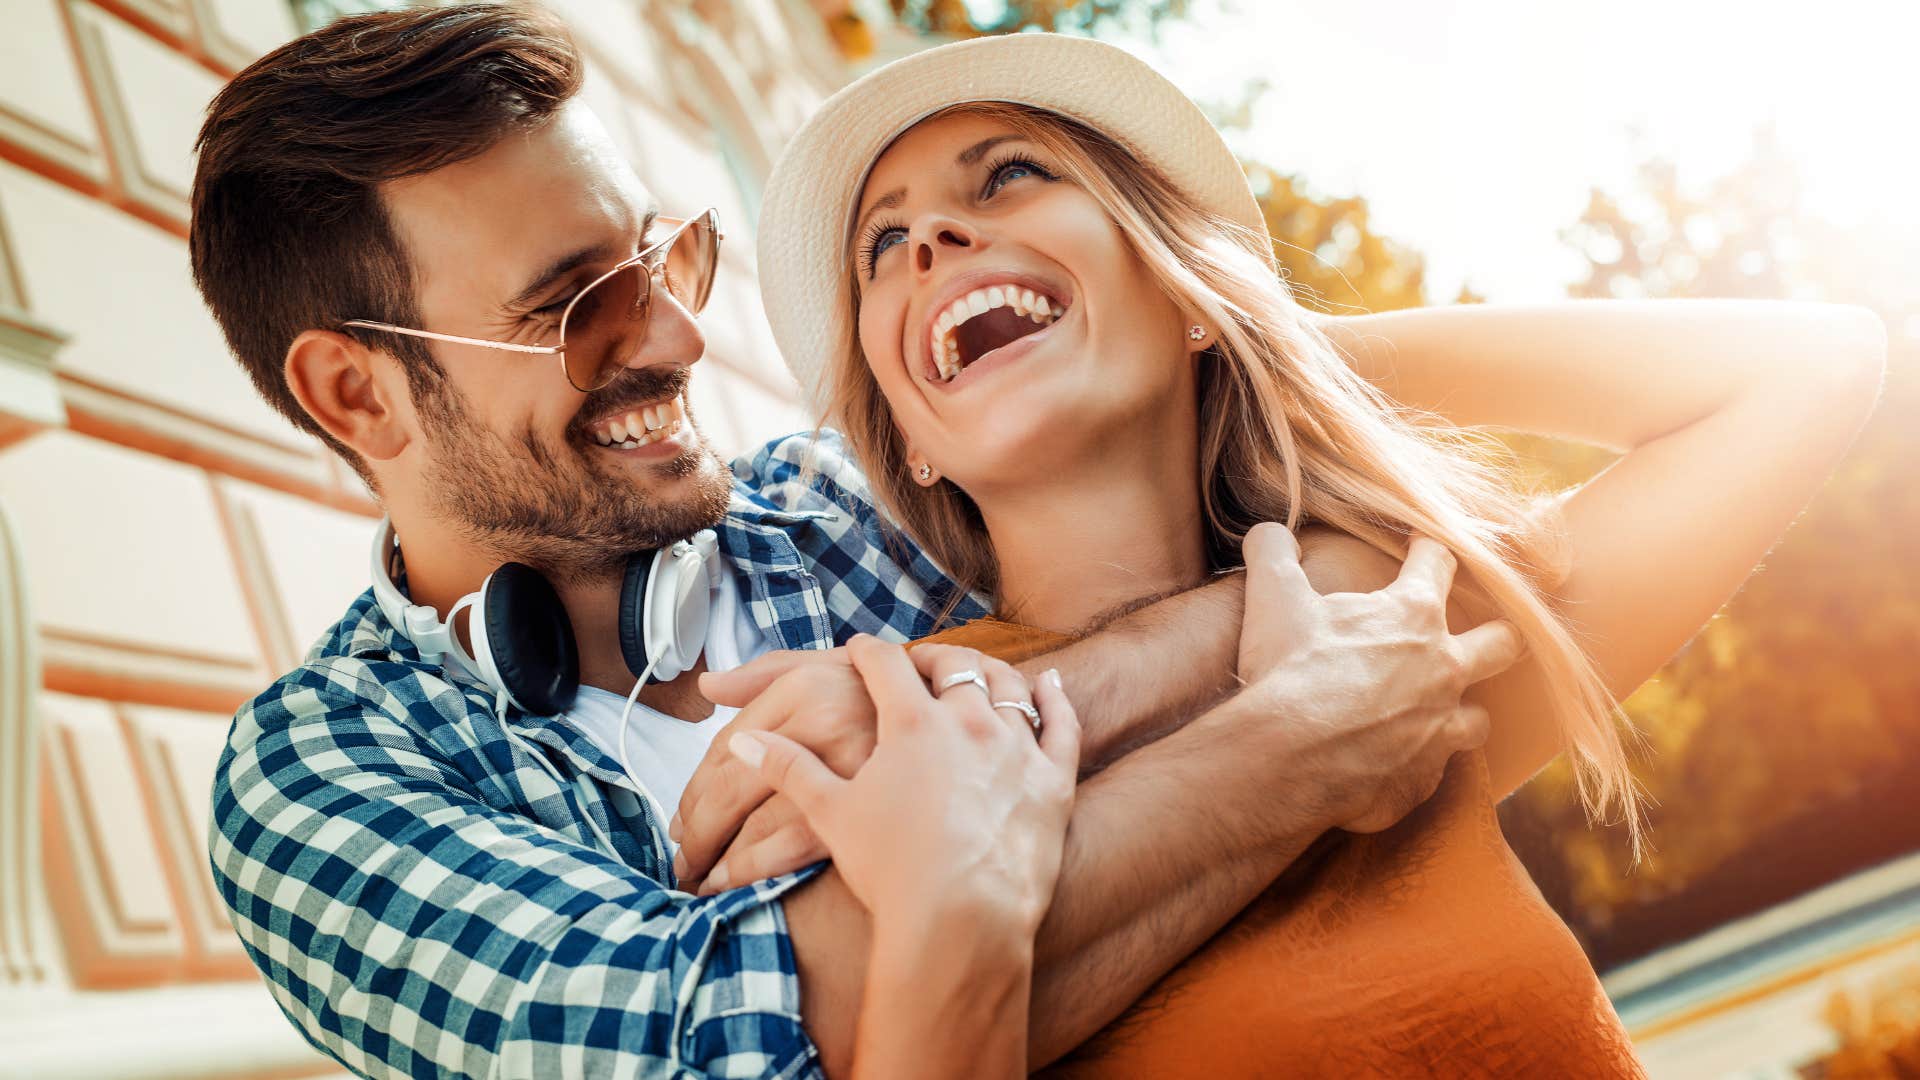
[691, 262]
[612, 314]
[600, 319]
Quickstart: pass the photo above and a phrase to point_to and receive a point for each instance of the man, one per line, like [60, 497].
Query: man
[392, 219]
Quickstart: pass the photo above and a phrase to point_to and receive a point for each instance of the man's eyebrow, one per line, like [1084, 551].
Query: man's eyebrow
[571, 261]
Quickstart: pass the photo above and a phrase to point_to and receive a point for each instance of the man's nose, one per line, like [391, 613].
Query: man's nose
[671, 335]
[943, 237]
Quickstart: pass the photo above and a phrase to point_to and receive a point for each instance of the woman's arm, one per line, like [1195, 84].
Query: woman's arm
[1730, 415]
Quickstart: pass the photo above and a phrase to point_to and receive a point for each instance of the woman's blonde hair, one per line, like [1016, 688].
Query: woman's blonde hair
[1288, 432]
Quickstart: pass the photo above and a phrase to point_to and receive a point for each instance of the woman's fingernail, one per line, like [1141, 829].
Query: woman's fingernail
[746, 748]
[673, 828]
[716, 881]
[1052, 675]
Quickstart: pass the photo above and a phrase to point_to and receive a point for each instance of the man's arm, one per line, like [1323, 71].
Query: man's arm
[1152, 670]
[1127, 690]
[1348, 725]
[1134, 680]
[407, 925]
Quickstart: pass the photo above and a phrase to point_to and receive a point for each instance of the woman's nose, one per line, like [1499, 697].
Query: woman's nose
[942, 238]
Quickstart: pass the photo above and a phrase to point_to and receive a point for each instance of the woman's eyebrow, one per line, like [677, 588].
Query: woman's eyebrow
[974, 153]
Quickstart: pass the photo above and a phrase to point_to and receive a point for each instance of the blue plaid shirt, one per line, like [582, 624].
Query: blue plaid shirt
[425, 900]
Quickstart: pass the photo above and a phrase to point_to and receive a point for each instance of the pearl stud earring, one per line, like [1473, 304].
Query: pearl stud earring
[1196, 332]
[925, 472]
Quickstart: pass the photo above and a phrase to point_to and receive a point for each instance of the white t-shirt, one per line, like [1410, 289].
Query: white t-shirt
[663, 750]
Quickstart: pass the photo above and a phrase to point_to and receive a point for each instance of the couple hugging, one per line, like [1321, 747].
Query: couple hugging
[1228, 636]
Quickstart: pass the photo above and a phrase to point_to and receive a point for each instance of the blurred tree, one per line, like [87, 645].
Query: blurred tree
[1329, 252]
[858, 40]
[1779, 748]
[959, 18]
[1878, 1031]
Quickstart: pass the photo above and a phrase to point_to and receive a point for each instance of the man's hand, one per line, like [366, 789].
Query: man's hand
[1368, 685]
[731, 827]
[813, 697]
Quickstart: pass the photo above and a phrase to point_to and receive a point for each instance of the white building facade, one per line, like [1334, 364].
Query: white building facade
[168, 544]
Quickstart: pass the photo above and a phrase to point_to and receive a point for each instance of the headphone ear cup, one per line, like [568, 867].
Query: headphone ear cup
[531, 640]
[633, 611]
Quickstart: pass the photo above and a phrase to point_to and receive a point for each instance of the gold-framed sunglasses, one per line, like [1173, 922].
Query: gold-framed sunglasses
[615, 306]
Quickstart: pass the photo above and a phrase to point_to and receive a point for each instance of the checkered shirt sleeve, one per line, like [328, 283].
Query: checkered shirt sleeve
[425, 901]
[874, 578]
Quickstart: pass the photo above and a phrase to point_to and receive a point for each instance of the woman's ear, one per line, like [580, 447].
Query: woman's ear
[337, 381]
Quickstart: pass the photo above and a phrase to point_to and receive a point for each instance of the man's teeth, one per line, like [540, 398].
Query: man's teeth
[946, 345]
[641, 427]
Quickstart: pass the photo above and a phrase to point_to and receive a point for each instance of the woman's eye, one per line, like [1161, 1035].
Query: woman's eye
[879, 239]
[1008, 172]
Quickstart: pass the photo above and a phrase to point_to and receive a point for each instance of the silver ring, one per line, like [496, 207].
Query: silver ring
[1032, 714]
[959, 678]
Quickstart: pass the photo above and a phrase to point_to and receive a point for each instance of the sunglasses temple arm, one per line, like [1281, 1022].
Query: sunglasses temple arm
[538, 350]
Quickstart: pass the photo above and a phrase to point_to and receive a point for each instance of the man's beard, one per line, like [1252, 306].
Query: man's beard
[556, 508]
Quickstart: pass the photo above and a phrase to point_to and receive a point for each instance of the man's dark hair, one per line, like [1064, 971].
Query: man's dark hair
[289, 230]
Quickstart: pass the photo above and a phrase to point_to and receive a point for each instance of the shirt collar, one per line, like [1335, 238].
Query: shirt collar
[750, 523]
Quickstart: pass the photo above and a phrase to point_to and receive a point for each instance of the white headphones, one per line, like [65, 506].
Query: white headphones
[522, 640]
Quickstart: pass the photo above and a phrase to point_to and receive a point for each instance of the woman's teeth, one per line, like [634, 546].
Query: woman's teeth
[946, 342]
[641, 427]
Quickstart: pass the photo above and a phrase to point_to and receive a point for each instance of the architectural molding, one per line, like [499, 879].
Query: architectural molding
[265, 605]
[104, 879]
[97, 65]
[224, 53]
[29, 391]
[114, 415]
[89, 665]
[176, 762]
[25, 952]
[57, 147]
[167, 20]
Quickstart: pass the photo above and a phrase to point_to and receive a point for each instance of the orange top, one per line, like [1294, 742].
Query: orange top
[1424, 950]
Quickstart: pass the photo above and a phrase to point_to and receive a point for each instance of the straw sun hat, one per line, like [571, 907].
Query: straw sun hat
[812, 192]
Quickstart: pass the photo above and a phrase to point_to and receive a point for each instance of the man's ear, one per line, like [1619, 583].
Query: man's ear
[351, 391]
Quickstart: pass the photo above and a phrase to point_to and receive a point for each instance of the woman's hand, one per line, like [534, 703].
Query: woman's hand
[959, 812]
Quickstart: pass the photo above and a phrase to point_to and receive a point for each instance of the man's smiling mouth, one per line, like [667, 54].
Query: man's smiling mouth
[986, 319]
[642, 426]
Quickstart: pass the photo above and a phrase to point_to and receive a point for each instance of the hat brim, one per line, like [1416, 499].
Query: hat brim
[812, 190]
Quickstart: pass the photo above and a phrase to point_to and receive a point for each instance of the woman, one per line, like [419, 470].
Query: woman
[955, 898]
[1029, 283]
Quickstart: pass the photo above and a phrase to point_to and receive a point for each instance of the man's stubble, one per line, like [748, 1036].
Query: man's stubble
[554, 507]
